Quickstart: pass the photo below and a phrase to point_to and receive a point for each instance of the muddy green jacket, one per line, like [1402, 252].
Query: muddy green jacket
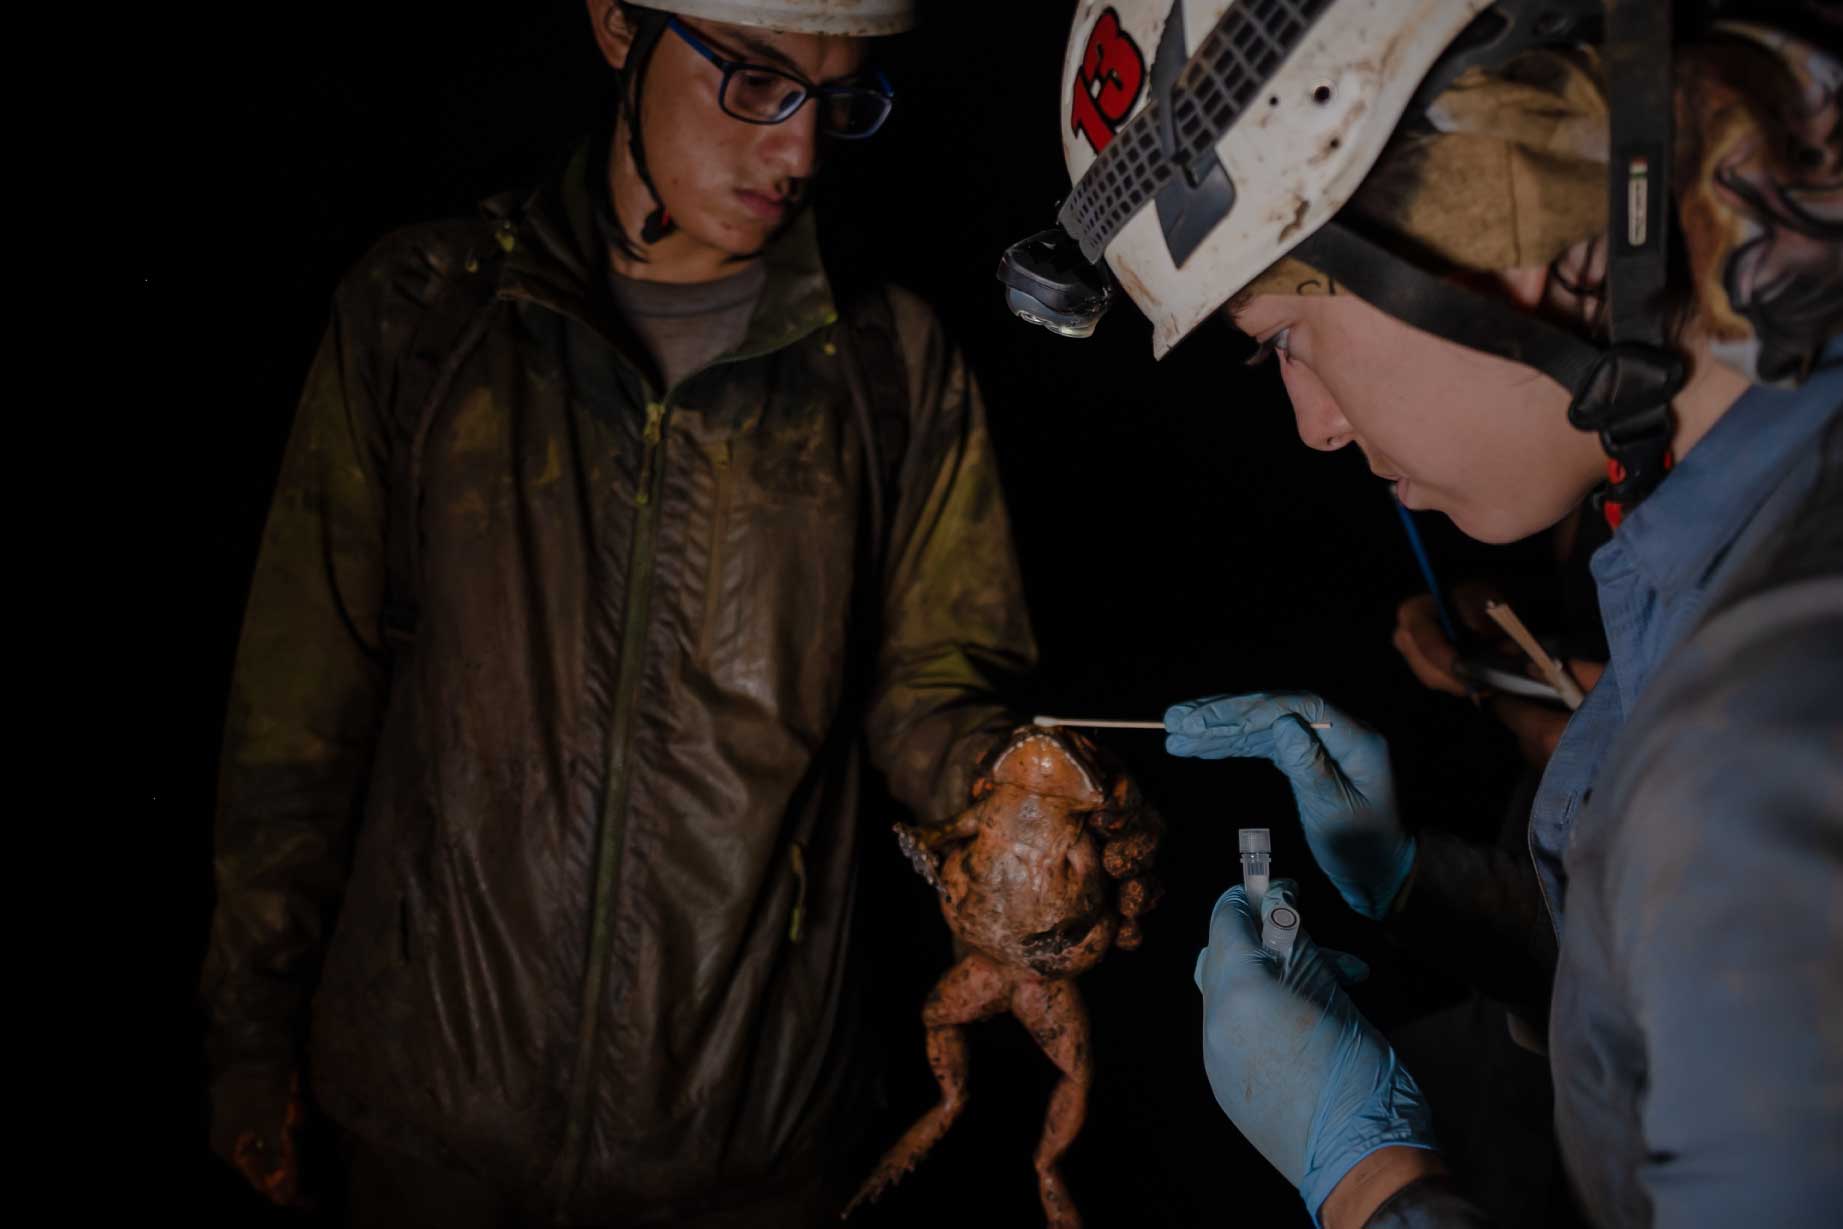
[564, 865]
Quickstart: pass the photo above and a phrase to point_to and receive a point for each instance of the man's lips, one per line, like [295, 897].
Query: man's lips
[762, 204]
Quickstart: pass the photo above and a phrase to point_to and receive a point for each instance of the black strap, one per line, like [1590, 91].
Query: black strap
[451, 333]
[648, 30]
[877, 379]
[1411, 294]
[1626, 399]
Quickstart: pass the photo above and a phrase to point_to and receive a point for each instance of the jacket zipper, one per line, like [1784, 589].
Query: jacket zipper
[611, 833]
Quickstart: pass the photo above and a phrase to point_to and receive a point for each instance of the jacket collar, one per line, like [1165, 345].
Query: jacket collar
[556, 258]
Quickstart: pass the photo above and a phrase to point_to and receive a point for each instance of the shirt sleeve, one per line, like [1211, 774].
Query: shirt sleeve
[1726, 894]
[956, 632]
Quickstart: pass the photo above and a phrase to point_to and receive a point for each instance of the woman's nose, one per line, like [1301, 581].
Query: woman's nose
[1321, 423]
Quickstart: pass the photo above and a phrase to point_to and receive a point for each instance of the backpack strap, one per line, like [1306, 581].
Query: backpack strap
[451, 331]
[877, 378]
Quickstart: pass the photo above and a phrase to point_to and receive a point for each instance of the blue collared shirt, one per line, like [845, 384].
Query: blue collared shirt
[1656, 575]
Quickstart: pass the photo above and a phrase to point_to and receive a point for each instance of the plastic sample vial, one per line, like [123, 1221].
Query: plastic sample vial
[1280, 929]
[1256, 855]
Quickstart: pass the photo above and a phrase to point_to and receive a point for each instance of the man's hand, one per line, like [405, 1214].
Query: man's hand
[1130, 831]
[1311, 1083]
[1341, 777]
[257, 1120]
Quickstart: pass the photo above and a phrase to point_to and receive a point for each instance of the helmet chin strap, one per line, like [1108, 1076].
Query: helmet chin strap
[1627, 398]
[658, 222]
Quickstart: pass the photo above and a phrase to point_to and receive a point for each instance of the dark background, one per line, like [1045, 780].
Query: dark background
[1176, 537]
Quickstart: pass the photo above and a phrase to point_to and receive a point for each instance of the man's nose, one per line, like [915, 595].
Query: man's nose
[790, 148]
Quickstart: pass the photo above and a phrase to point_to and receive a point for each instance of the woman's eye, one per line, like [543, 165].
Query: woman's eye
[1275, 344]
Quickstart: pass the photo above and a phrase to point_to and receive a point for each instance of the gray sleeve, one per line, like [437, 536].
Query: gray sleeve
[1725, 888]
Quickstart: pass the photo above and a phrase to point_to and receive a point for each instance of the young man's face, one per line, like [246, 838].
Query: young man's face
[1478, 437]
[727, 184]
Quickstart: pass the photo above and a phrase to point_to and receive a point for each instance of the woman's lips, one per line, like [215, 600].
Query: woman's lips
[768, 208]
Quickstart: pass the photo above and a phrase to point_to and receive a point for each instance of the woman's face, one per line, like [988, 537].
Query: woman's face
[1478, 437]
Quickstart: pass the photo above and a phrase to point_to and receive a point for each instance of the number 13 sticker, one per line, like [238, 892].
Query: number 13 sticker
[1109, 82]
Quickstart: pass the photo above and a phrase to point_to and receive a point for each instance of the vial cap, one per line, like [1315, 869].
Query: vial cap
[1256, 840]
[1283, 918]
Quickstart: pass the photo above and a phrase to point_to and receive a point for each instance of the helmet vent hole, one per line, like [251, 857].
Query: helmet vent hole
[1321, 93]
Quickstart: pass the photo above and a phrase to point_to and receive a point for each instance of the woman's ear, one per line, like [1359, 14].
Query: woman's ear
[1574, 284]
[614, 33]
[1526, 286]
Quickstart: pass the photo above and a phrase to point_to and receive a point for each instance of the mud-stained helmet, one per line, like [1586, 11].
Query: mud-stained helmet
[1208, 140]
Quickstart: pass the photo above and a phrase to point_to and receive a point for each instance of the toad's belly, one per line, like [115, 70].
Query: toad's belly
[1050, 915]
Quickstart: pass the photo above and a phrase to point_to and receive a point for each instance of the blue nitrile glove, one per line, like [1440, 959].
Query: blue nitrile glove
[1341, 781]
[1294, 1065]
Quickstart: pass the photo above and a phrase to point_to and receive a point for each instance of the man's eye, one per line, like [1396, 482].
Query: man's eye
[1267, 349]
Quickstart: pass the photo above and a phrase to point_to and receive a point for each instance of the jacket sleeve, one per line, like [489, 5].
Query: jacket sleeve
[1430, 1203]
[1726, 923]
[955, 628]
[306, 692]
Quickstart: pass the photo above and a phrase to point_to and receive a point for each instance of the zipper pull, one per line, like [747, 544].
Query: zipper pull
[655, 419]
[796, 855]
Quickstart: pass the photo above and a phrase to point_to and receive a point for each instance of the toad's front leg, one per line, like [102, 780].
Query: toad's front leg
[925, 844]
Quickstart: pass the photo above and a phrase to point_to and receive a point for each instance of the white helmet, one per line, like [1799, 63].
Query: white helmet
[1244, 126]
[861, 19]
[1208, 139]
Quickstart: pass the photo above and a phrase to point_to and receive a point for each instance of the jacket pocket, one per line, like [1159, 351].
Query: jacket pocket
[796, 920]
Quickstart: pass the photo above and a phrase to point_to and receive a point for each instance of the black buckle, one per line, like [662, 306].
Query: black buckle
[1630, 379]
[1625, 398]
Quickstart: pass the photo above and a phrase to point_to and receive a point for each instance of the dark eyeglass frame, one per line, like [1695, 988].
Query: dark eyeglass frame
[885, 94]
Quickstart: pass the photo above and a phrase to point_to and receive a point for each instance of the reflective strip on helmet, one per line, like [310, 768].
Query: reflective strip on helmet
[1234, 62]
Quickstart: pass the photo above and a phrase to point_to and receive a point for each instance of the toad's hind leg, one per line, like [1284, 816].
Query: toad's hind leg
[971, 990]
[1053, 1012]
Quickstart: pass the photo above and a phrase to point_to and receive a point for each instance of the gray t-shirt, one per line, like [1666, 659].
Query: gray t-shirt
[684, 326]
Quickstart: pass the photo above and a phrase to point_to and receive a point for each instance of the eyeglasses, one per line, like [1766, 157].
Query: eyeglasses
[757, 94]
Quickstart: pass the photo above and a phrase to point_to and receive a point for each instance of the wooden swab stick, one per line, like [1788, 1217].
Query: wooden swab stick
[1558, 678]
[1127, 725]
